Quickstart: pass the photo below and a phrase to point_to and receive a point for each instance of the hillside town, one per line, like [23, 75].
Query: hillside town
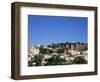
[58, 54]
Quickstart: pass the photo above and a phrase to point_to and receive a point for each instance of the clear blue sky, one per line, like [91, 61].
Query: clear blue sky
[55, 29]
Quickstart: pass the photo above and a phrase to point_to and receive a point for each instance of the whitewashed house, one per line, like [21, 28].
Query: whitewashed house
[34, 50]
[74, 52]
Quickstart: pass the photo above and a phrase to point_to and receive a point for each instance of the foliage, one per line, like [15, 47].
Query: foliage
[79, 60]
[37, 60]
[60, 51]
[55, 60]
[43, 51]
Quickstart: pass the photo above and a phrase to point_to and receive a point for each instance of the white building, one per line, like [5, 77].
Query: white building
[74, 52]
[34, 50]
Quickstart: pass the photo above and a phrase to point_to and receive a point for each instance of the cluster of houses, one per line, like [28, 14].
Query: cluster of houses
[67, 51]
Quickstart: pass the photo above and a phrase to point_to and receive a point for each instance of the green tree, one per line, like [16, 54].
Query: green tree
[43, 51]
[55, 60]
[38, 60]
[60, 51]
[79, 60]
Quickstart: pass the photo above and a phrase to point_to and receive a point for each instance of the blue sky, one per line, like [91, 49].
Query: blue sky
[55, 29]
